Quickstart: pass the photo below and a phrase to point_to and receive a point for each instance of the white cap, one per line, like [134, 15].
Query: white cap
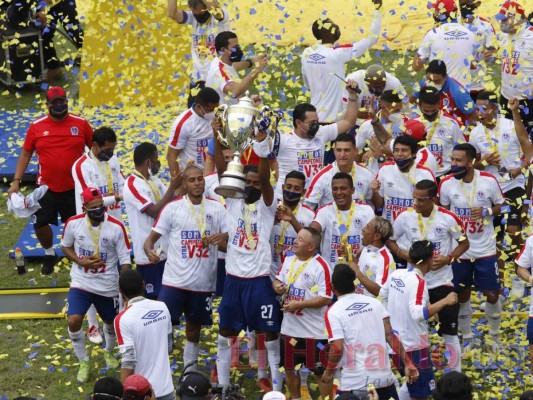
[274, 396]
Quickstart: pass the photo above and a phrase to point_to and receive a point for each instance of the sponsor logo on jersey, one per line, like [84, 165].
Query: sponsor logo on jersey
[457, 34]
[398, 282]
[317, 58]
[153, 314]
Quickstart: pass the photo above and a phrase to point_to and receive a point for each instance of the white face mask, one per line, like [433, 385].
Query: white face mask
[438, 87]
[396, 118]
[210, 116]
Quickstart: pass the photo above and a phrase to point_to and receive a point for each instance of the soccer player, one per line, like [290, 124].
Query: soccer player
[194, 227]
[144, 333]
[305, 285]
[407, 300]
[359, 330]
[427, 221]
[524, 263]
[95, 242]
[475, 197]
[341, 221]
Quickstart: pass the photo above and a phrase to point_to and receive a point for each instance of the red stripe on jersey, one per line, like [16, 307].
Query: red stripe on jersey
[420, 291]
[120, 339]
[486, 174]
[308, 208]
[343, 46]
[453, 215]
[316, 178]
[135, 192]
[427, 169]
[79, 173]
[177, 131]
[386, 262]
[116, 221]
[222, 72]
[521, 252]
[163, 209]
[328, 325]
[72, 219]
[424, 158]
[327, 277]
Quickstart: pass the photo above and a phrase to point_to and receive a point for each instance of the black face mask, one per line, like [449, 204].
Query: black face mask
[105, 155]
[374, 91]
[403, 163]
[291, 198]
[467, 10]
[458, 172]
[236, 54]
[203, 17]
[154, 168]
[97, 214]
[252, 194]
[313, 129]
[432, 116]
[58, 111]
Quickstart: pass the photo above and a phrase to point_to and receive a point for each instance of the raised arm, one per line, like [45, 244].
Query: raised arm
[350, 115]
[175, 13]
[521, 132]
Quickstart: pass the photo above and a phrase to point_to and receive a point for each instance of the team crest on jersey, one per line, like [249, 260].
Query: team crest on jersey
[358, 223]
[306, 276]
[398, 282]
[105, 241]
[506, 137]
[114, 171]
[446, 102]
[153, 314]
[438, 230]
[480, 196]
[74, 130]
[357, 307]
[149, 288]
[359, 185]
[440, 132]
[209, 218]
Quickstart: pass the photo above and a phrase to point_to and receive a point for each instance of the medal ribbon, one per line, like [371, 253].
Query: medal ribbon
[424, 229]
[151, 184]
[293, 275]
[247, 214]
[469, 196]
[284, 226]
[347, 223]
[95, 235]
[199, 217]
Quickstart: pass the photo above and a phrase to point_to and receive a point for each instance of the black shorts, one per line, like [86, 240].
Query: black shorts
[309, 352]
[514, 198]
[53, 203]
[448, 316]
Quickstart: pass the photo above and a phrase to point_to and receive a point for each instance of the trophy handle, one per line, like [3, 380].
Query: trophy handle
[220, 113]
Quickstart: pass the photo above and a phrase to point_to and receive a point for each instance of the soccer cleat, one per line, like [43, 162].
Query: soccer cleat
[496, 345]
[48, 264]
[264, 385]
[94, 335]
[83, 372]
[111, 361]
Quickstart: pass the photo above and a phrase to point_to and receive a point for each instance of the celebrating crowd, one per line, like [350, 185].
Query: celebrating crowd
[378, 213]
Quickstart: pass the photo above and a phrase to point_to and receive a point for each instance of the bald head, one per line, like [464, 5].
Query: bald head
[192, 168]
[376, 79]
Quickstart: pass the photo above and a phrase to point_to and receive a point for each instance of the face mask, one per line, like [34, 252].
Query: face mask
[97, 214]
[432, 116]
[438, 87]
[252, 194]
[506, 26]
[105, 155]
[396, 118]
[291, 198]
[236, 54]
[58, 111]
[154, 168]
[203, 17]
[458, 172]
[374, 91]
[210, 116]
[467, 10]
[403, 163]
[313, 129]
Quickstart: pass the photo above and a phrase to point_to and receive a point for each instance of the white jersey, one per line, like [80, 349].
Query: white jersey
[364, 98]
[443, 228]
[376, 264]
[319, 192]
[425, 158]
[397, 187]
[211, 183]
[504, 140]
[442, 134]
[145, 325]
[190, 265]
[203, 42]
[346, 229]
[113, 247]
[517, 64]
[486, 38]
[525, 260]
[358, 320]
[306, 280]
[249, 225]
[283, 235]
[138, 196]
[483, 191]
[107, 176]
[456, 45]
[218, 76]
[406, 297]
[190, 134]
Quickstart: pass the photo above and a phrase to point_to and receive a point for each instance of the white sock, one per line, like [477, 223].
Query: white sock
[262, 373]
[223, 359]
[50, 251]
[92, 318]
[403, 393]
[273, 361]
[304, 373]
[252, 352]
[494, 317]
[78, 342]
[465, 319]
[190, 355]
[454, 348]
[110, 337]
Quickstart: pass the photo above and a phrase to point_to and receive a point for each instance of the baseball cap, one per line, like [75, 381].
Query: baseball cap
[56, 92]
[136, 386]
[89, 194]
[274, 396]
[194, 386]
[510, 7]
[415, 129]
[445, 6]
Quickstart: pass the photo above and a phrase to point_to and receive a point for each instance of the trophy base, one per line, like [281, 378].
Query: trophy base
[231, 186]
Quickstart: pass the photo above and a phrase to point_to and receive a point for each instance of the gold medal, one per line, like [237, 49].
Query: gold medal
[251, 244]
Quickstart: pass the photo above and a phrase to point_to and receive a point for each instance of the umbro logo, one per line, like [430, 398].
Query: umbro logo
[456, 34]
[398, 282]
[152, 314]
[316, 57]
[46, 133]
[357, 307]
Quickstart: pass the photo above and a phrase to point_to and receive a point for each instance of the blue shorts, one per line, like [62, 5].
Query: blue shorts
[425, 383]
[195, 305]
[529, 333]
[79, 301]
[152, 275]
[483, 273]
[249, 303]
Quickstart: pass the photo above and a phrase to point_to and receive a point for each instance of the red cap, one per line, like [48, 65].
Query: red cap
[90, 194]
[56, 92]
[511, 7]
[136, 386]
[445, 6]
[415, 129]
